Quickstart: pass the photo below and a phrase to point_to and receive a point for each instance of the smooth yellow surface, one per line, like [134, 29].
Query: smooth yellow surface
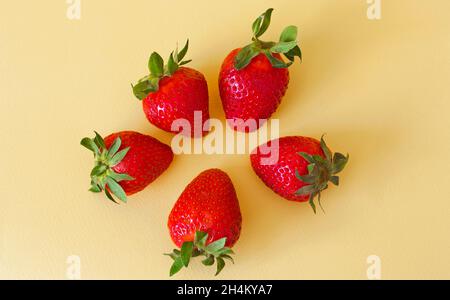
[379, 89]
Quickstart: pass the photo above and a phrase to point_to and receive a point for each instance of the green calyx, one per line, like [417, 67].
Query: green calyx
[287, 45]
[158, 70]
[103, 177]
[321, 171]
[215, 252]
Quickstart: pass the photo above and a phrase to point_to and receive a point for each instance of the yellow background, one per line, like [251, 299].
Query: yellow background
[379, 89]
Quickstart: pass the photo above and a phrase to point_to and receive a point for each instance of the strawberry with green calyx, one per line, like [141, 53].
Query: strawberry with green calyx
[253, 80]
[304, 168]
[172, 92]
[205, 220]
[126, 162]
[213, 252]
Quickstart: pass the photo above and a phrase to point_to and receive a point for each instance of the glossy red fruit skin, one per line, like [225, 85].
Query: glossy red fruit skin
[280, 177]
[146, 160]
[209, 204]
[178, 97]
[254, 92]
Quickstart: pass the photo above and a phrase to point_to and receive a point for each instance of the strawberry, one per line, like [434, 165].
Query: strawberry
[206, 220]
[126, 162]
[254, 79]
[172, 92]
[303, 170]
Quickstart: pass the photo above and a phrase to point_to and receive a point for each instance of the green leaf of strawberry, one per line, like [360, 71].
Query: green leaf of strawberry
[172, 66]
[325, 149]
[156, 65]
[216, 246]
[98, 170]
[99, 141]
[116, 189]
[119, 177]
[276, 63]
[114, 147]
[90, 145]
[209, 261]
[289, 34]
[261, 24]
[180, 56]
[103, 178]
[117, 158]
[95, 188]
[220, 265]
[339, 162]
[320, 171]
[215, 252]
[176, 266]
[245, 56]
[295, 52]
[158, 70]
[283, 47]
[287, 44]
[186, 253]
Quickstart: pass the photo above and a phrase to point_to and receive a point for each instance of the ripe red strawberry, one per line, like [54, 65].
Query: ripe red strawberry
[254, 79]
[303, 170]
[172, 92]
[126, 163]
[206, 220]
